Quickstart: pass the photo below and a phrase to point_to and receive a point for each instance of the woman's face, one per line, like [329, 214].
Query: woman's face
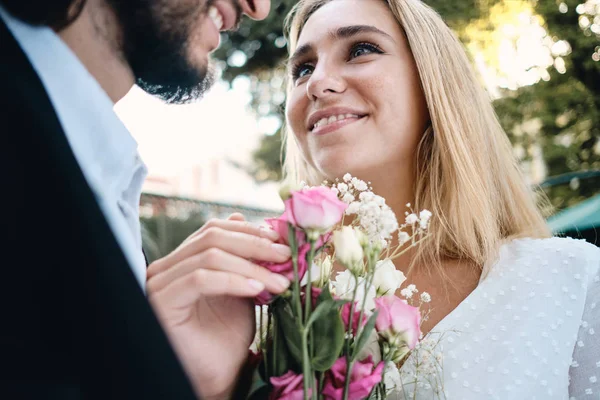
[356, 103]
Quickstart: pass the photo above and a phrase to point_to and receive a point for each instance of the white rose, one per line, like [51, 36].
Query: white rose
[344, 285]
[387, 278]
[319, 274]
[348, 249]
[369, 296]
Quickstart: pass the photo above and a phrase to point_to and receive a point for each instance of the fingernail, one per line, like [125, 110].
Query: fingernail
[282, 249]
[270, 233]
[256, 284]
[282, 281]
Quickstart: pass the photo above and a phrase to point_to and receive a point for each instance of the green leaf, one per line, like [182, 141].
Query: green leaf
[259, 389]
[260, 393]
[364, 335]
[288, 330]
[323, 308]
[325, 295]
[328, 333]
[278, 353]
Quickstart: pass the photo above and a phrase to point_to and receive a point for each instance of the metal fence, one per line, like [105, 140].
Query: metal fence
[168, 220]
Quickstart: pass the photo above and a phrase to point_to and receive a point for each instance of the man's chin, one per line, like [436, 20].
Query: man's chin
[181, 91]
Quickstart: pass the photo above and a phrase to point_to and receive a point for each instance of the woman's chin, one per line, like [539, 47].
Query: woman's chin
[338, 170]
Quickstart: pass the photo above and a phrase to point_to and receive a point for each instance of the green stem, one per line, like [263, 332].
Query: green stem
[308, 381]
[268, 334]
[350, 318]
[308, 312]
[350, 357]
[275, 364]
[296, 282]
[347, 381]
[308, 300]
[368, 282]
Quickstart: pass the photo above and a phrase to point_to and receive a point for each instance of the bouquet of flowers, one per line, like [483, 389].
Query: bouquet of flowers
[338, 338]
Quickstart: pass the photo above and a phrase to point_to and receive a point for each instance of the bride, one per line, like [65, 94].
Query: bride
[383, 90]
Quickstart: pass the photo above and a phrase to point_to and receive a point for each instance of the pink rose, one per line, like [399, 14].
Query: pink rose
[288, 387]
[355, 317]
[398, 320]
[315, 293]
[317, 208]
[280, 225]
[286, 269]
[362, 379]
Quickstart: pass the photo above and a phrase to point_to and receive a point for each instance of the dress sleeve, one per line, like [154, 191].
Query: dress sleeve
[584, 374]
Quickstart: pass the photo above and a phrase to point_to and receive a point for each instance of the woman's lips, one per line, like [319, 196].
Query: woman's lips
[324, 128]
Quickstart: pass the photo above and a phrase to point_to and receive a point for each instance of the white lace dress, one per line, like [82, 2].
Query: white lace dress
[530, 330]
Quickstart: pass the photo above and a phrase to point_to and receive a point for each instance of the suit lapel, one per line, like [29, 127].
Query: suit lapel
[118, 347]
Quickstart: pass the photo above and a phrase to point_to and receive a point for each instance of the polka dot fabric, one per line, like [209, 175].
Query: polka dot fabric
[530, 330]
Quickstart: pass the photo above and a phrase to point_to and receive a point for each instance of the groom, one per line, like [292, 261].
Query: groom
[75, 320]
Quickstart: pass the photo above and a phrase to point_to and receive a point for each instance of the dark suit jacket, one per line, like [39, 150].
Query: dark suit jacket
[74, 323]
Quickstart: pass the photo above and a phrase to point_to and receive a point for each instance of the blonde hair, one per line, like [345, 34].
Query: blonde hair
[466, 173]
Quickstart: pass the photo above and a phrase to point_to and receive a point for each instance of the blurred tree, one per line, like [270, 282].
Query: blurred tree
[565, 106]
[162, 234]
[268, 158]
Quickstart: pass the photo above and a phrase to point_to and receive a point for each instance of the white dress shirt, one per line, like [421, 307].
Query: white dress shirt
[105, 150]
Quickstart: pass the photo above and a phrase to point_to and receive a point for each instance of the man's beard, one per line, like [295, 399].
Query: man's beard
[155, 43]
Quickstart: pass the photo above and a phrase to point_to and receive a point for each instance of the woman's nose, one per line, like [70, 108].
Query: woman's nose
[324, 83]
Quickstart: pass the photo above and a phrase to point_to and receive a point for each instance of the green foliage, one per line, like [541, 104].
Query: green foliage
[289, 331]
[262, 42]
[327, 331]
[268, 158]
[162, 234]
[566, 108]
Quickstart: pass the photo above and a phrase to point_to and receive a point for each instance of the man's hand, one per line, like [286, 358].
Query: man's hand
[202, 293]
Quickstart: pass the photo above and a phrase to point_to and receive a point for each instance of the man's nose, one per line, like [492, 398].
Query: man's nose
[256, 9]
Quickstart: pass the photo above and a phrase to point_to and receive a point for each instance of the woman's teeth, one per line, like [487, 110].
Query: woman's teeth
[216, 17]
[333, 118]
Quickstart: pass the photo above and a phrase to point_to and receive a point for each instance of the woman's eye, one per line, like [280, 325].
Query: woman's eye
[302, 71]
[364, 48]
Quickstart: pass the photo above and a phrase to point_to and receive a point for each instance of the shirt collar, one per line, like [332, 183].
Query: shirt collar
[97, 137]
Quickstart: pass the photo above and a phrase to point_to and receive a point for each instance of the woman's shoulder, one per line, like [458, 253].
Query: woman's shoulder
[558, 254]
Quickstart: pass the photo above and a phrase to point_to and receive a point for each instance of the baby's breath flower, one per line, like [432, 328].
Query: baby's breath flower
[347, 178]
[342, 187]
[406, 293]
[353, 208]
[380, 201]
[366, 196]
[359, 184]
[424, 217]
[412, 219]
[403, 237]
[425, 297]
[348, 198]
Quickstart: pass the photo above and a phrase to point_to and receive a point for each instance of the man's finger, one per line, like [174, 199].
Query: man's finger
[236, 217]
[218, 260]
[241, 244]
[185, 291]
